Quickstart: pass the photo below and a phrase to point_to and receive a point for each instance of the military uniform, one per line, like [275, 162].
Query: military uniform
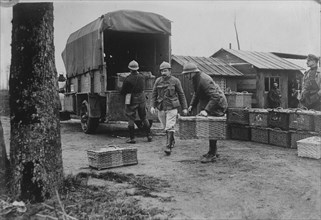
[135, 85]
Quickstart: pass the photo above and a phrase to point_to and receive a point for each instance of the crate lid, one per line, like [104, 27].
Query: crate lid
[304, 111]
[201, 118]
[282, 110]
[111, 148]
[260, 110]
[314, 140]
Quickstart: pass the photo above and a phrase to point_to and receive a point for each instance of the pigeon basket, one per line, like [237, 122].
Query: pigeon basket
[310, 147]
[280, 138]
[260, 134]
[112, 156]
[198, 127]
[238, 116]
[301, 119]
[258, 117]
[239, 99]
[299, 135]
[279, 118]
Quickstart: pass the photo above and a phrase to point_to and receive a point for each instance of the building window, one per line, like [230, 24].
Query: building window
[268, 82]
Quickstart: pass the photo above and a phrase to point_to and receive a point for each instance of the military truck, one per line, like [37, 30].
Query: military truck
[97, 54]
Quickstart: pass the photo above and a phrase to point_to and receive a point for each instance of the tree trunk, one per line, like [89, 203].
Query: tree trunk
[4, 163]
[35, 147]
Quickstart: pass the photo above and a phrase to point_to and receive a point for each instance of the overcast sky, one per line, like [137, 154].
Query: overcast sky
[199, 28]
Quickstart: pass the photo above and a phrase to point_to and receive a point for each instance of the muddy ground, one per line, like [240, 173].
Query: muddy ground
[248, 181]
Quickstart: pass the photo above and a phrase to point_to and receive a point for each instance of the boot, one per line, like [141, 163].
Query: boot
[172, 139]
[149, 134]
[168, 148]
[131, 139]
[212, 153]
[147, 130]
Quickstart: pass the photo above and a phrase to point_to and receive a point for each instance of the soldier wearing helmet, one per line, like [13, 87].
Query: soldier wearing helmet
[211, 99]
[311, 85]
[167, 96]
[134, 84]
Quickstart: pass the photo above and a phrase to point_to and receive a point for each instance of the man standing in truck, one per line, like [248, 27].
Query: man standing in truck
[135, 101]
[167, 96]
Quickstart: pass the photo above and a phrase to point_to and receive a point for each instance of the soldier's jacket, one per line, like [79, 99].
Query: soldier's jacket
[311, 87]
[168, 94]
[134, 83]
[209, 95]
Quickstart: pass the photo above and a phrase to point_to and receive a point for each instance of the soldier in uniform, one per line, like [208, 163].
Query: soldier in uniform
[274, 96]
[211, 99]
[167, 96]
[134, 84]
[311, 85]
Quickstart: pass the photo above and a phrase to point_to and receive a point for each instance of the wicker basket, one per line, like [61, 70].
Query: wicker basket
[239, 99]
[317, 121]
[279, 118]
[299, 135]
[240, 132]
[259, 134]
[258, 117]
[310, 147]
[280, 138]
[198, 127]
[238, 116]
[300, 119]
[112, 156]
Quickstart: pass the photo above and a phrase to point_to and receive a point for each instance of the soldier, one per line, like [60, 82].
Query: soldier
[133, 87]
[274, 96]
[167, 96]
[211, 99]
[311, 85]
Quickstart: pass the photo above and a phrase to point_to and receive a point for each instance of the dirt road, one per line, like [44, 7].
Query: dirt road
[249, 180]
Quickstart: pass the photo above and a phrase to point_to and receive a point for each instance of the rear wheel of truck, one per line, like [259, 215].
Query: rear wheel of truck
[88, 124]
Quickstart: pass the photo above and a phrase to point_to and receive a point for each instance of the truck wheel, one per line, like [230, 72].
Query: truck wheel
[88, 124]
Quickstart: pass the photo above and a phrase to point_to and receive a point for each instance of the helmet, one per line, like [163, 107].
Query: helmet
[190, 68]
[164, 65]
[133, 65]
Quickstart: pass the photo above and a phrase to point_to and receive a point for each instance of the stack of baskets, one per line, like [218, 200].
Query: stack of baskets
[238, 124]
[238, 115]
[283, 127]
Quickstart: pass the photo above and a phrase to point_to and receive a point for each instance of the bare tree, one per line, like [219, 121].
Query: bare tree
[35, 147]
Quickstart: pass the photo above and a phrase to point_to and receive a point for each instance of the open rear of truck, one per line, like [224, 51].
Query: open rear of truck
[100, 51]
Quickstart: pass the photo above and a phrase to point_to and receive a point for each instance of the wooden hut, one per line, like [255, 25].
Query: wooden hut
[223, 74]
[260, 70]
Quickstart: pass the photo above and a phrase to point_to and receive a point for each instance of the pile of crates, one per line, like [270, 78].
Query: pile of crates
[279, 127]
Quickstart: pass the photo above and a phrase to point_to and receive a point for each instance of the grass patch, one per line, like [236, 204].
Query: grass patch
[83, 201]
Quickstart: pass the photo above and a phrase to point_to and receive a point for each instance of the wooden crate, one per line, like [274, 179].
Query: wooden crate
[280, 138]
[279, 118]
[299, 135]
[301, 120]
[260, 134]
[239, 99]
[238, 116]
[112, 156]
[240, 132]
[258, 117]
[310, 147]
[198, 127]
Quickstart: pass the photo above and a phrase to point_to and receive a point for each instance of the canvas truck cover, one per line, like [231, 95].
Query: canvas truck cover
[83, 51]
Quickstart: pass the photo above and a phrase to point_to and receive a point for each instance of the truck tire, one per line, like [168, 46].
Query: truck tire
[88, 124]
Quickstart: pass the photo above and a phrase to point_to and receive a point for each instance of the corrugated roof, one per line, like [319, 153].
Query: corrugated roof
[263, 60]
[209, 65]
